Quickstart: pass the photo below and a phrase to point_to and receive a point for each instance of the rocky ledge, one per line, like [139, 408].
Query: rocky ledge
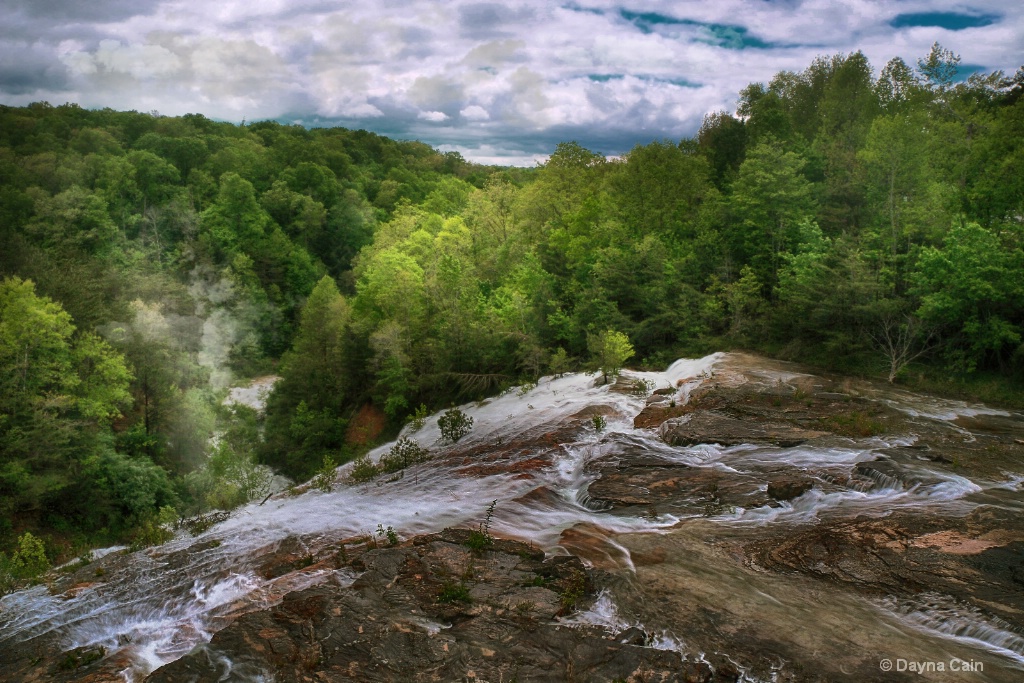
[435, 609]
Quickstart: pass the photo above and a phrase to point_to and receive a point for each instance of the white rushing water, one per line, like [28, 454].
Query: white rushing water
[166, 600]
[938, 615]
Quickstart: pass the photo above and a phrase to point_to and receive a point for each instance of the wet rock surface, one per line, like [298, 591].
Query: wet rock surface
[945, 555]
[760, 523]
[435, 610]
[712, 426]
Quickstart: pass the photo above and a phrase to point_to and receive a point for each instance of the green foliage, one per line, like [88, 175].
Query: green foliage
[973, 287]
[599, 423]
[452, 593]
[609, 350]
[182, 250]
[324, 479]
[304, 414]
[27, 561]
[231, 476]
[363, 470]
[560, 363]
[418, 418]
[388, 534]
[642, 387]
[147, 259]
[480, 539]
[454, 424]
[155, 529]
[856, 423]
[574, 589]
[60, 392]
[404, 453]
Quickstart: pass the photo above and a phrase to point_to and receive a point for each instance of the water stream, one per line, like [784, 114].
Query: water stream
[163, 601]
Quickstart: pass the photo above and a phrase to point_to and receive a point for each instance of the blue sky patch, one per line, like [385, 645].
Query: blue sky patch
[953, 21]
[964, 71]
[679, 82]
[729, 36]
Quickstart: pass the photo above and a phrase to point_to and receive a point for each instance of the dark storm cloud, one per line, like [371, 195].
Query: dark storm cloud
[25, 69]
[66, 11]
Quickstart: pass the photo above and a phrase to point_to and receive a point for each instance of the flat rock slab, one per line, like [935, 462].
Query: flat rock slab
[694, 488]
[711, 426]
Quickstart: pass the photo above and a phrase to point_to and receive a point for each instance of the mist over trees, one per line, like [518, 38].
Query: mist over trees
[870, 222]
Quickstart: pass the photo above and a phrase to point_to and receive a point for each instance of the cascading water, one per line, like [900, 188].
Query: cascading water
[159, 603]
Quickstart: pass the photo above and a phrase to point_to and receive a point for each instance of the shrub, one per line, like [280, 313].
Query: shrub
[610, 350]
[26, 562]
[154, 530]
[560, 362]
[363, 469]
[452, 592]
[418, 418]
[641, 387]
[404, 453]
[481, 539]
[454, 424]
[324, 478]
[574, 590]
[599, 423]
[390, 534]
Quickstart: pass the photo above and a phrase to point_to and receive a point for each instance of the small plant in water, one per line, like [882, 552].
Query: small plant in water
[526, 388]
[324, 478]
[575, 589]
[363, 469]
[404, 453]
[481, 539]
[454, 424]
[83, 656]
[641, 387]
[389, 534]
[599, 423]
[418, 418]
[83, 560]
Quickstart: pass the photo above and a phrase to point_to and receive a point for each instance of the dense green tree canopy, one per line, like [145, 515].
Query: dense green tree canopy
[149, 262]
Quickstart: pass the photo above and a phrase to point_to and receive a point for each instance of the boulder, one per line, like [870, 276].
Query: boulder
[788, 488]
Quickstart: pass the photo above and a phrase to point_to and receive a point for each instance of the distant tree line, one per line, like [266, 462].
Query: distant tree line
[865, 222]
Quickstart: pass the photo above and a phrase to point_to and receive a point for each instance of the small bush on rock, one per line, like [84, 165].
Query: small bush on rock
[404, 453]
[454, 424]
[324, 478]
[363, 470]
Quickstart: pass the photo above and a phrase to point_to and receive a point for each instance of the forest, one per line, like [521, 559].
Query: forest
[868, 223]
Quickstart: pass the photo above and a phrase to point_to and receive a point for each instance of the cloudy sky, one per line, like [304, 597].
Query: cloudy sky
[499, 82]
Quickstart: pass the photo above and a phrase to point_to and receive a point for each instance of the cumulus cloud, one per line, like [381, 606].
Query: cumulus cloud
[496, 81]
[139, 61]
[435, 116]
[475, 112]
